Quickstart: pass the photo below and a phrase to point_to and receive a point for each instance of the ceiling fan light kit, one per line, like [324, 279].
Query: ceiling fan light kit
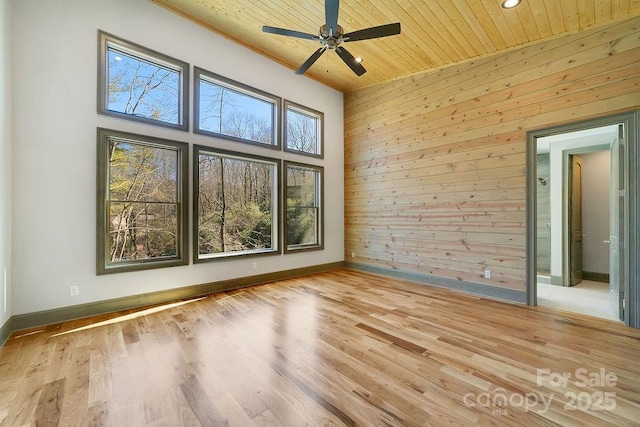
[331, 36]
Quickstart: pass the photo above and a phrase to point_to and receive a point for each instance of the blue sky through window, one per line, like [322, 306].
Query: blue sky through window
[230, 112]
[142, 88]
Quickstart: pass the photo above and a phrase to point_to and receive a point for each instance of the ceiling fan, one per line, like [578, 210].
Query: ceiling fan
[331, 36]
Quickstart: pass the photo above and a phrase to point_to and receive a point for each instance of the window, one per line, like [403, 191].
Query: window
[142, 216]
[139, 84]
[304, 129]
[235, 204]
[303, 204]
[231, 110]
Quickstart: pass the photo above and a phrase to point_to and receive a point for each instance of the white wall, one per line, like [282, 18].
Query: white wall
[5, 161]
[55, 121]
[596, 175]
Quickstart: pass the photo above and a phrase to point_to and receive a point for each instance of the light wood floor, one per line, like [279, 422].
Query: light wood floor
[337, 348]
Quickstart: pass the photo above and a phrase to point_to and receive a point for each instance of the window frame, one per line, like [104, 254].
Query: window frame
[320, 199]
[276, 203]
[199, 73]
[319, 131]
[146, 54]
[103, 265]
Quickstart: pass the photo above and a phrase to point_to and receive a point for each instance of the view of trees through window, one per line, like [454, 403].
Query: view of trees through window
[229, 112]
[142, 88]
[302, 205]
[303, 130]
[236, 204]
[142, 201]
[143, 181]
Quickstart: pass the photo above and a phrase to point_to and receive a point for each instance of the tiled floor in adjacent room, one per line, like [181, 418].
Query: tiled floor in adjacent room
[587, 297]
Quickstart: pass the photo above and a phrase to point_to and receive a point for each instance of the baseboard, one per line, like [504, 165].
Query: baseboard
[557, 280]
[544, 279]
[47, 317]
[596, 277]
[6, 330]
[441, 282]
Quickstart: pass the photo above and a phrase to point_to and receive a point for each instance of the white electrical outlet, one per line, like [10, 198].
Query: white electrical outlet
[254, 265]
[353, 254]
[74, 291]
[487, 274]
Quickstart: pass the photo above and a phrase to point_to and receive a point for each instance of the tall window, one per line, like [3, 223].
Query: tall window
[304, 130]
[139, 84]
[142, 189]
[235, 204]
[304, 207]
[231, 110]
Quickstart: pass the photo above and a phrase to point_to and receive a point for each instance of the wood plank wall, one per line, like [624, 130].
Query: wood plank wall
[435, 163]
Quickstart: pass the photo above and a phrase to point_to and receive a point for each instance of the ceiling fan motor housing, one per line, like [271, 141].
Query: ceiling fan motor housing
[330, 41]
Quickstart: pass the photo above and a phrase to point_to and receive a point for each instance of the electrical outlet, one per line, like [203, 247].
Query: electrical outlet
[487, 274]
[74, 291]
[353, 254]
[254, 265]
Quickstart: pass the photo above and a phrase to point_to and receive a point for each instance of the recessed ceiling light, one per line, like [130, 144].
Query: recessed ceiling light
[508, 4]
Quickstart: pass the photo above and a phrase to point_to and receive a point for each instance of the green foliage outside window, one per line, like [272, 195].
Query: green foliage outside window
[236, 205]
[303, 203]
[140, 191]
[142, 201]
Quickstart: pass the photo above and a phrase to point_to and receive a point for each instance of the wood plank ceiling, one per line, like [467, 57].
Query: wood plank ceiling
[435, 33]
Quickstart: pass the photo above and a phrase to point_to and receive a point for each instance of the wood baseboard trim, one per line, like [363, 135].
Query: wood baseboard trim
[472, 288]
[596, 277]
[48, 317]
[6, 330]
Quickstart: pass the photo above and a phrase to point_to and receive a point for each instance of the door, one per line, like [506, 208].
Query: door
[616, 239]
[575, 220]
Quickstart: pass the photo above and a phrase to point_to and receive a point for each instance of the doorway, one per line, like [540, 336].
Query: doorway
[562, 240]
[573, 172]
[574, 218]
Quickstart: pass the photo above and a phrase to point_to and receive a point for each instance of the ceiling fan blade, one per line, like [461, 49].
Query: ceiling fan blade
[350, 61]
[373, 32]
[309, 62]
[290, 33]
[331, 8]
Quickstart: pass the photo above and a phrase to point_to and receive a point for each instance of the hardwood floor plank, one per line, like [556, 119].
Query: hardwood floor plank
[130, 334]
[99, 377]
[337, 348]
[50, 404]
[395, 340]
[199, 402]
[98, 414]
[318, 397]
